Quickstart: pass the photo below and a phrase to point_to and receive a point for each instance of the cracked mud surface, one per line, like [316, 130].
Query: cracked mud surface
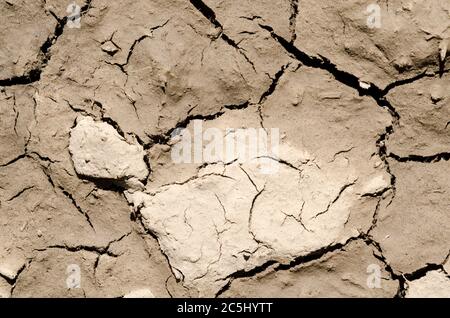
[91, 116]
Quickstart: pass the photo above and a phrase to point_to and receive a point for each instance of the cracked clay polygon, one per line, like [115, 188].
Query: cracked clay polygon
[90, 117]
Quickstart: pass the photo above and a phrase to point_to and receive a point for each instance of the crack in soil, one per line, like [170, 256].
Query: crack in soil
[321, 62]
[34, 75]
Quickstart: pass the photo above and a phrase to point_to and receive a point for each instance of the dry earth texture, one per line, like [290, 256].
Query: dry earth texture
[96, 96]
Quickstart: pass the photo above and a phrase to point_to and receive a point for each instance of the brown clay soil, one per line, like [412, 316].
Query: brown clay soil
[95, 97]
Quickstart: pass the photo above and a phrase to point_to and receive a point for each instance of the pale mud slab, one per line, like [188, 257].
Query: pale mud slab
[105, 107]
[435, 284]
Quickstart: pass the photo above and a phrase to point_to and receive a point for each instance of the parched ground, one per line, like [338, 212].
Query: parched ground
[93, 106]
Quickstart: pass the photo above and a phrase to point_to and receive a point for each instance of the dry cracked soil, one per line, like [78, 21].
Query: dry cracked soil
[98, 97]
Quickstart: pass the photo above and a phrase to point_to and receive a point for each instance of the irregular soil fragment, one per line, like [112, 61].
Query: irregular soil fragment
[98, 151]
[435, 284]
[338, 274]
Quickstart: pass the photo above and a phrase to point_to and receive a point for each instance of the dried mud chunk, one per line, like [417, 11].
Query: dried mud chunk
[424, 108]
[58, 273]
[5, 289]
[11, 266]
[25, 20]
[98, 151]
[35, 214]
[401, 42]
[110, 48]
[343, 273]
[239, 23]
[231, 217]
[435, 284]
[178, 72]
[16, 115]
[414, 230]
[134, 266]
